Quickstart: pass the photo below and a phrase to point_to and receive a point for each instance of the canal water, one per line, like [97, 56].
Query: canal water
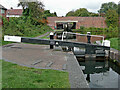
[100, 74]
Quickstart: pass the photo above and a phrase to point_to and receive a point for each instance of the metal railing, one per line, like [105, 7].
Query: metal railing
[63, 34]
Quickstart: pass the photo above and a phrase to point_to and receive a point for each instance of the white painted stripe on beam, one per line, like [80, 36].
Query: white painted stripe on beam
[12, 38]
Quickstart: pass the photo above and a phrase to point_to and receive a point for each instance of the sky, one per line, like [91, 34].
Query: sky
[63, 6]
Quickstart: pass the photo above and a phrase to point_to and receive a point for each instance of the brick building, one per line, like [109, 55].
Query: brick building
[3, 12]
[14, 13]
[57, 22]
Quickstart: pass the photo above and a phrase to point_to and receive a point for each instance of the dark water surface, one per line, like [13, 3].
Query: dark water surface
[101, 74]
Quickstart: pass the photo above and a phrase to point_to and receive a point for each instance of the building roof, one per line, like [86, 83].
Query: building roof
[14, 12]
[2, 7]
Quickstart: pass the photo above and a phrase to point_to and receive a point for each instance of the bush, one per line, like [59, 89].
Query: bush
[82, 27]
[23, 27]
[108, 32]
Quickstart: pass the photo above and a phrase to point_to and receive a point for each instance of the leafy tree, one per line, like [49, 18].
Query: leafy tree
[112, 18]
[70, 13]
[24, 5]
[119, 8]
[34, 10]
[48, 14]
[83, 12]
[93, 14]
[55, 14]
[108, 6]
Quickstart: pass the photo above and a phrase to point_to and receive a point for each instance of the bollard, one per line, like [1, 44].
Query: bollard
[51, 38]
[88, 37]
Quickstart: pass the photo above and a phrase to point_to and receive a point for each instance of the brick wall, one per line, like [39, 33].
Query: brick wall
[82, 21]
[84, 38]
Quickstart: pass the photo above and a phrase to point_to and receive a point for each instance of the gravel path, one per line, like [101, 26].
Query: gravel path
[35, 55]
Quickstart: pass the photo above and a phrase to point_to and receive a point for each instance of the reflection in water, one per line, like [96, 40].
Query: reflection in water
[100, 74]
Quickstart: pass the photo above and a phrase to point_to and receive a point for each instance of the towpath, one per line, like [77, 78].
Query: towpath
[47, 33]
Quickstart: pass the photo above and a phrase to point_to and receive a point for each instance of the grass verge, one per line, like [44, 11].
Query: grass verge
[114, 43]
[6, 42]
[15, 76]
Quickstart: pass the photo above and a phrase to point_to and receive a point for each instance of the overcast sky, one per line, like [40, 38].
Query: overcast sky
[63, 6]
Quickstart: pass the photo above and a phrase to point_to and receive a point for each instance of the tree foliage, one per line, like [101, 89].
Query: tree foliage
[119, 8]
[33, 10]
[110, 10]
[32, 23]
[112, 18]
[70, 13]
[93, 14]
[108, 6]
[19, 27]
[48, 14]
[82, 12]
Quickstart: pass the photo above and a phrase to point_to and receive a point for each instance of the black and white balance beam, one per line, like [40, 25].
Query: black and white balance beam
[52, 42]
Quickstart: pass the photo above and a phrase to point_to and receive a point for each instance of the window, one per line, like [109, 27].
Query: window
[2, 11]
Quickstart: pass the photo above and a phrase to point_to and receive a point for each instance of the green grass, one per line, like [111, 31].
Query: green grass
[114, 43]
[15, 76]
[6, 42]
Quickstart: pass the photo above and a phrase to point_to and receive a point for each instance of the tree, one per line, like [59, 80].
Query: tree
[93, 14]
[108, 6]
[24, 5]
[33, 10]
[112, 18]
[83, 12]
[55, 14]
[119, 8]
[70, 13]
[48, 14]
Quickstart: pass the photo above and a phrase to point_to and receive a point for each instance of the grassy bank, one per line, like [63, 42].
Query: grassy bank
[24, 27]
[15, 76]
[20, 27]
[5, 43]
[108, 32]
[114, 43]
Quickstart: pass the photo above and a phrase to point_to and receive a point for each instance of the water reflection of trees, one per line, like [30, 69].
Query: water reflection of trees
[92, 67]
